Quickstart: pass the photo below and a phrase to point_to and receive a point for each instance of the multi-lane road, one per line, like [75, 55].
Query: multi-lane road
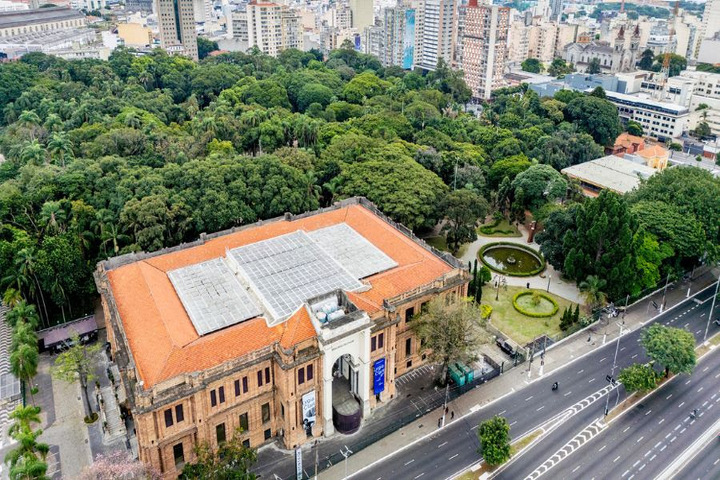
[454, 447]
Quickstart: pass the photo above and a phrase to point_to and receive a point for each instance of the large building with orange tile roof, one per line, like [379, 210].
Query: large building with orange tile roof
[287, 329]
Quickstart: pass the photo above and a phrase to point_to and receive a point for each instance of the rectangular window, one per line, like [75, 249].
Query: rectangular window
[179, 455]
[267, 374]
[220, 433]
[373, 343]
[213, 398]
[265, 412]
[301, 376]
[179, 414]
[268, 434]
[221, 394]
[408, 347]
[282, 410]
[309, 372]
[381, 340]
[246, 443]
[260, 377]
[424, 307]
[168, 417]
[237, 388]
[245, 385]
[409, 314]
[244, 422]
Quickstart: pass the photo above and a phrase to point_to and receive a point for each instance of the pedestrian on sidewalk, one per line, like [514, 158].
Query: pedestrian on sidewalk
[452, 414]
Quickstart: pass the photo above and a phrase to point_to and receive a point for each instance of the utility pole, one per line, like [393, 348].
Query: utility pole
[447, 393]
[612, 370]
[316, 458]
[712, 309]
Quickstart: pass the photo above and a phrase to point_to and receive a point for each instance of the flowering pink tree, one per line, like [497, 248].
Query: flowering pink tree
[118, 466]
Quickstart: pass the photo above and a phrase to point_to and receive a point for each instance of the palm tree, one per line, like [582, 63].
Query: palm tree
[332, 187]
[54, 217]
[592, 291]
[23, 460]
[110, 233]
[25, 263]
[22, 312]
[24, 364]
[33, 153]
[30, 120]
[61, 148]
[53, 123]
[23, 333]
[11, 297]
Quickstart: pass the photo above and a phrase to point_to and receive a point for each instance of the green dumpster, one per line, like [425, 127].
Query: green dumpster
[467, 371]
[457, 376]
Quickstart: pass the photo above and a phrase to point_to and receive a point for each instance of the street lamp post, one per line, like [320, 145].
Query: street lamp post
[346, 454]
[447, 393]
[662, 305]
[612, 370]
[626, 304]
[712, 309]
[548, 286]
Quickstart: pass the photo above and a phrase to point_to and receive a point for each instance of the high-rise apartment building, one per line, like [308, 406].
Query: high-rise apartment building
[176, 20]
[362, 14]
[272, 27]
[556, 9]
[397, 43]
[438, 28]
[485, 50]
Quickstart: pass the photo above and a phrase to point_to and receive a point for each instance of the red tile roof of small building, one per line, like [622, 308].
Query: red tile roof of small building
[162, 338]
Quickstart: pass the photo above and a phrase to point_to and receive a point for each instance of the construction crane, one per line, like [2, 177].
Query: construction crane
[665, 71]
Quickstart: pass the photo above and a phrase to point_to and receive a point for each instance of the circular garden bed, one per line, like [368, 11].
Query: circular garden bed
[535, 304]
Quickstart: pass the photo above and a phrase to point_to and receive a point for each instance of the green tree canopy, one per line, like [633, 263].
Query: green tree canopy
[539, 184]
[595, 116]
[230, 461]
[462, 210]
[638, 378]
[494, 436]
[672, 348]
[532, 65]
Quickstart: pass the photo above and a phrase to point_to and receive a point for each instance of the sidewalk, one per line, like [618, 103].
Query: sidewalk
[565, 351]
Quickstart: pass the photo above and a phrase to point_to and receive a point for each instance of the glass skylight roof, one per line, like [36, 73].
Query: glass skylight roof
[212, 296]
[287, 270]
[351, 250]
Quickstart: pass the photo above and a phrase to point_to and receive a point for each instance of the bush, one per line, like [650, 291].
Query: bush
[92, 418]
[535, 314]
[490, 229]
[485, 311]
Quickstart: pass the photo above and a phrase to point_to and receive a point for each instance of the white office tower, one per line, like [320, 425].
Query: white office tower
[485, 47]
[202, 10]
[176, 20]
[362, 14]
[439, 18]
[710, 22]
[272, 27]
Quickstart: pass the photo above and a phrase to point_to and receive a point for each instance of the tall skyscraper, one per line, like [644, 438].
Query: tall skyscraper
[438, 25]
[272, 27]
[398, 29]
[710, 22]
[556, 8]
[484, 55]
[176, 20]
[362, 14]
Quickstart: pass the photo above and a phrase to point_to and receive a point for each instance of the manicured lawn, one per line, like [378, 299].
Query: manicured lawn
[440, 243]
[520, 328]
[499, 231]
[543, 307]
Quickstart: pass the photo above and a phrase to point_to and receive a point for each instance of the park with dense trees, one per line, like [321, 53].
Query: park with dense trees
[144, 152]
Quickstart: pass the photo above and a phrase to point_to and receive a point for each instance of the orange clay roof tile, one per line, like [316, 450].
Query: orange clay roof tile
[161, 336]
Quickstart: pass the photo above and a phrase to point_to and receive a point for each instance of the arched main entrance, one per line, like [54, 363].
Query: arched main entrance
[346, 404]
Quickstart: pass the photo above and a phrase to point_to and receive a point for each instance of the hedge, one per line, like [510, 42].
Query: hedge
[531, 273]
[534, 314]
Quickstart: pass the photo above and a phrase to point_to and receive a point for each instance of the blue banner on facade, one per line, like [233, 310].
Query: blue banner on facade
[379, 376]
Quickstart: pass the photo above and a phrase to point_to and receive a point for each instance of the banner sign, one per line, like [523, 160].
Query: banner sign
[379, 376]
[308, 409]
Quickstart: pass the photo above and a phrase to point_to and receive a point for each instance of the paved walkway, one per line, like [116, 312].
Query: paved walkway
[572, 348]
[557, 285]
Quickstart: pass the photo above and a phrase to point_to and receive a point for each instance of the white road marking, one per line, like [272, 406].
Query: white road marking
[513, 423]
[408, 463]
[706, 402]
[639, 469]
[420, 475]
[602, 448]
[575, 469]
[657, 444]
[683, 430]
[648, 413]
[687, 382]
[568, 393]
[636, 464]
[706, 369]
[634, 356]
[453, 456]
[700, 389]
[502, 412]
[664, 447]
[626, 472]
[623, 348]
[528, 398]
[639, 439]
[673, 439]
[540, 408]
[442, 444]
[652, 458]
[680, 406]
[676, 428]
[668, 397]
[661, 420]
[581, 371]
[616, 459]
[603, 359]
[626, 429]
